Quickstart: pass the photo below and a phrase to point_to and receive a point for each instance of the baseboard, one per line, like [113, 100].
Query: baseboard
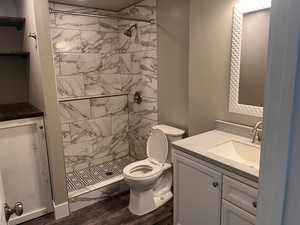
[61, 210]
[28, 216]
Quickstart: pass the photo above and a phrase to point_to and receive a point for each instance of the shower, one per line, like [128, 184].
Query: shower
[129, 31]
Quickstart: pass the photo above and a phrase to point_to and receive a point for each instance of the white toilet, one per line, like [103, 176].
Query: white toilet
[150, 180]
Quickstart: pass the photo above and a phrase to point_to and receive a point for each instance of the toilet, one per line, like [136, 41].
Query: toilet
[150, 180]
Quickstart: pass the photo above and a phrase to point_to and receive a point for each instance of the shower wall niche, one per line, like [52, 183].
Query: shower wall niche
[98, 70]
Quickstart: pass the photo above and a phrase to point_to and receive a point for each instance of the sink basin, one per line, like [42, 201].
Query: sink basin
[242, 153]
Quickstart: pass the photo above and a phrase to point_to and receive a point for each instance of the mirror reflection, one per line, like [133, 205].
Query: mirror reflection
[254, 55]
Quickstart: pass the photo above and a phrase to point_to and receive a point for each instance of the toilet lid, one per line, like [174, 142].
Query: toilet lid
[157, 146]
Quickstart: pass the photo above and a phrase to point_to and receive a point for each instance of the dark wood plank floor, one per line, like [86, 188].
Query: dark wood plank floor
[113, 211]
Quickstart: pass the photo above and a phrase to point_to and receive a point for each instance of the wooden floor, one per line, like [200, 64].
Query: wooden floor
[113, 211]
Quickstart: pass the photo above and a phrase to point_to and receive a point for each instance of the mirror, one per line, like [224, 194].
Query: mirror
[251, 23]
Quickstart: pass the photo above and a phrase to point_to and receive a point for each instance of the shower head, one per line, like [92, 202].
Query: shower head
[129, 31]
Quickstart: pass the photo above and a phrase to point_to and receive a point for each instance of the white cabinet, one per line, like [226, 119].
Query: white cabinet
[197, 193]
[240, 194]
[24, 167]
[232, 215]
[202, 193]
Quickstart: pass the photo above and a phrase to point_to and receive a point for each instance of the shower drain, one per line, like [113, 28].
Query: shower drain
[109, 173]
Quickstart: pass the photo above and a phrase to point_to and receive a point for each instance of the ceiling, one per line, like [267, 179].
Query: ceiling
[114, 5]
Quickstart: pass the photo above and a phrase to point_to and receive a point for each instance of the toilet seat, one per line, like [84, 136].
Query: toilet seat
[142, 170]
[157, 152]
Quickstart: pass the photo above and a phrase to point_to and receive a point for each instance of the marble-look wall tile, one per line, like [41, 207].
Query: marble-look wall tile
[90, 130]
[145, 62]
[120, 124]
[148, 38]
[77, 156]
[148, 63]
[66, 133]
[88, 63]
[147, 109]
[106, 84]
[52, 20]
[108, 25]
[120, 146]
[145, 9]
[66, 40]
[70, 86]
[139, 131]
[145, 84]
[69, 64]
[110, 63]
[56, 62]
[99, 42]
[75, 110]
[144, 39]
[126, 63]
[130, 44]
[102, 107]
[77, 22]
[84, 22]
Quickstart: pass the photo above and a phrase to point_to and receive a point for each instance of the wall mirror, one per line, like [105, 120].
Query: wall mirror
[249, 56]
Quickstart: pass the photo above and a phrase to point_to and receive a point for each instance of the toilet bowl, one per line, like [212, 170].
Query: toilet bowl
[150, 180]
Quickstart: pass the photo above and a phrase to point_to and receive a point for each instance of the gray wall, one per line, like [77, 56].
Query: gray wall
[13, 79]
[173, 42]
[210, 43]
[8, 8]
[53, 131]
[35, 90]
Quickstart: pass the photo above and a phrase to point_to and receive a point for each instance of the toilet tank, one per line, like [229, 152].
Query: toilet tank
[173, 134]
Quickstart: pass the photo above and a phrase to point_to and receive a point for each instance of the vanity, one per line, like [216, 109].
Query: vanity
[215, 179]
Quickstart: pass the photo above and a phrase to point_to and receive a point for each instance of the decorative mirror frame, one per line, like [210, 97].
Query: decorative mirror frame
[240, 9]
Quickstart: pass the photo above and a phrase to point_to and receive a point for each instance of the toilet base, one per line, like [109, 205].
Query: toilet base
[144, 202]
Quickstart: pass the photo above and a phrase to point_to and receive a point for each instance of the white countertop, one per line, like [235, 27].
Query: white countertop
[199, 145]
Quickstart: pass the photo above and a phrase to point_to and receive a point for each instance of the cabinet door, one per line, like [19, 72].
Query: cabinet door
[24, 167]
[197, 193]
[232, 215]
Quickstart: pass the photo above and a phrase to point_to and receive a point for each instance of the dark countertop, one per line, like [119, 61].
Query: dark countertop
[18, 111]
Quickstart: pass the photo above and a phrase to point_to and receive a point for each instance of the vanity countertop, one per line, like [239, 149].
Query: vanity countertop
[18, 111]
[199, 145]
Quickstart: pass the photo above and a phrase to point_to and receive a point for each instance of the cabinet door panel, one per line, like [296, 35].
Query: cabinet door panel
[232, 215]
[197, 193]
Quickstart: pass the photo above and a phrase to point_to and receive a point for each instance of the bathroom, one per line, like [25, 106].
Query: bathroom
[141, 112]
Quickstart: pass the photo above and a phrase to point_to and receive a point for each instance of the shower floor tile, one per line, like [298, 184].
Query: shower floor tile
[80, 179]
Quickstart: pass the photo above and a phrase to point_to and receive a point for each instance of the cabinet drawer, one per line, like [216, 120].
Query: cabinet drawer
[232, 215]
[242, 195]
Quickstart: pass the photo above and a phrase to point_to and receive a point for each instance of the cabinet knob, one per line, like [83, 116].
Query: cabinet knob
[215, 184]
[254, 204]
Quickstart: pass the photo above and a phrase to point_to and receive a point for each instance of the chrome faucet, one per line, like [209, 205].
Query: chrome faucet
[255, 131]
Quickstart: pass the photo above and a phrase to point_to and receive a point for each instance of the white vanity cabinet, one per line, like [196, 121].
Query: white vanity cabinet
[203, 195]
[197, 191]
[233, 215]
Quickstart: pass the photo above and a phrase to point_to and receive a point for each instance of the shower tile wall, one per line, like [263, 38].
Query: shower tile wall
[94, 113]
[139, 72]
[98, 69]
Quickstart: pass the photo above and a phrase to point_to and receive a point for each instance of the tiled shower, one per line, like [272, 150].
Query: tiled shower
[98, 69]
